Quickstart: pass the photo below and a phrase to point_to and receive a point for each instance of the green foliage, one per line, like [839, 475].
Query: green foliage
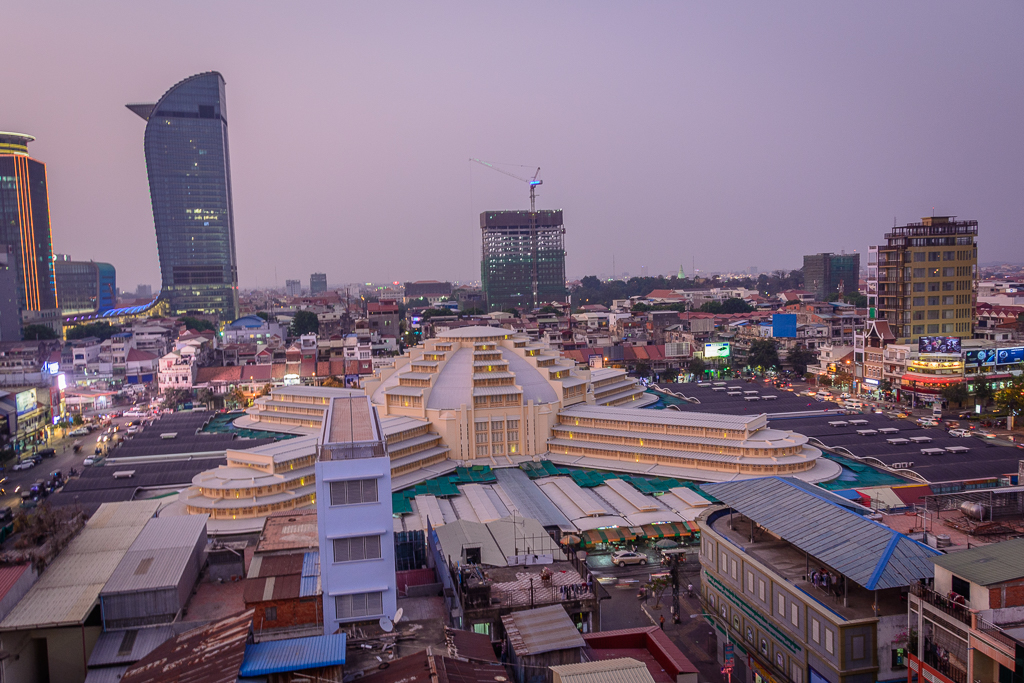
[197, 324]
[511, 311]
[670, 375]
[549, 310]
[657, 586]
[824, 380]
[304, 322]
[642, 369]
[263, 314]
[101, 330]
[37, 332]
[800, 358]
[592, 291]
[955, 393]
[1011, 399]
[726, 307]
[983, 393]
[173, 398]
[77, 421]
[697, 367]
[764, 354]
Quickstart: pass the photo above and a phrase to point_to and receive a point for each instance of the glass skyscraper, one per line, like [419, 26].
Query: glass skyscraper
[85, 286]
[190, 187]
[25, 222]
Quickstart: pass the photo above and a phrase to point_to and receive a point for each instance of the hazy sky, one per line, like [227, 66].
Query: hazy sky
[731, 134]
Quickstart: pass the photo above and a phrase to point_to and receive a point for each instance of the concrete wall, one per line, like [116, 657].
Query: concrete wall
[58, 655]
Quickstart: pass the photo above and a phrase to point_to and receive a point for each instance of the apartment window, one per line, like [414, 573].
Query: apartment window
[357, 548]
[498, 448]
[949, 313]
[934, 286]
[353, 492]
[481, 450]
[513, 436]
[359, 605]
[949, 272]
[948, 327]
[933, 256]
[723, 566]
[750, 582]
[919, 301]
[794, 614]
[750, 635]
[918, 286]
[949, 300]
[933, 315]
[948, 286]
[933, 301]
[830, 645]
[782, 605]
[918, 315]
[481, 426]
[497, 436]
[919, 256]
[919, 272]
[815, 630]
[933, 329]
[483, 629]
[796, 674]
[270, 614]
[949, 256]
[735, 574]
[497, 424]
[760, 589]
[481, 437]
[857, 643]
[780, 660]
[764, 647]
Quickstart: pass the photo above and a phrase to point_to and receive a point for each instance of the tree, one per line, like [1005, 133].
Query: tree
[642, 369]
[511, 311]
[549, 310]
[100, 330]
[800, 358]
[37, 332]
[1011, 399]
[197, 324]
[78, 422]
[304, 322]
[236, 397]
[176, 397]
[697, 367]
[657, 587]
[764, 354]
[264, 315]
[885, 386]
[983, 393]
[334, 383]
[670, 375]
[824, 380]
[955, 393]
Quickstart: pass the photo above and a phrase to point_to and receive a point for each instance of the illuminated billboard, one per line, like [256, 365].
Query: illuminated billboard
[1012, 355]
[938, 344]
[784, 325]
[716, 350]
[25, 401]
[1005, 356]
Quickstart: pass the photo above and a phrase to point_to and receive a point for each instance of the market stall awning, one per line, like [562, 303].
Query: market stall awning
[618, 534]
[670, 530]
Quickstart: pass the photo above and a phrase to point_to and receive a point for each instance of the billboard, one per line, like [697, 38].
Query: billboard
[25, 401]
[716, 350]
[1005, 356]
[784, 325]
[938, 344]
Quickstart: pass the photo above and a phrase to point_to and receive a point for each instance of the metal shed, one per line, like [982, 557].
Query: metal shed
[153, 581]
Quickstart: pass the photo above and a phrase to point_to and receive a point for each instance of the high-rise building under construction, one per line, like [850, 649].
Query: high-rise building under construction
[523, 258]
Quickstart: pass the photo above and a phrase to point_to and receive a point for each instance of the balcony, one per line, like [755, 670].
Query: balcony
[943, 604]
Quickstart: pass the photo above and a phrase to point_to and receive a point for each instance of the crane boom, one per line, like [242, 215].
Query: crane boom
[532, 182]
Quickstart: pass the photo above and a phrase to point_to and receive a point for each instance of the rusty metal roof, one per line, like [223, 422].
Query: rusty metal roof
[540, 630]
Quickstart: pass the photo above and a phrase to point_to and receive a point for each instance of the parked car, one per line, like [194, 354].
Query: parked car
[81, 431]
[624, 557]
[24, 464]
[927, 422]
[959, 433]
[90, 461]
[47, 453]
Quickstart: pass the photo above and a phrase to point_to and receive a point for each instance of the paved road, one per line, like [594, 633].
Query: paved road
[63, 461]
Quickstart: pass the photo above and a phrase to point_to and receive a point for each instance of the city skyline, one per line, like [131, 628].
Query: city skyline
[717, 136]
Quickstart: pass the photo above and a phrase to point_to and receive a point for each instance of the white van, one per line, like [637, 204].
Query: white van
[850, 404]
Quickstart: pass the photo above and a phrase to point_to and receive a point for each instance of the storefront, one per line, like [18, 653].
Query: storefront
[606, 537]
[684, 532]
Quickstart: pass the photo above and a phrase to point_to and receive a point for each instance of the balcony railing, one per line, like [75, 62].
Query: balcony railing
[942, 603]
[942, 664]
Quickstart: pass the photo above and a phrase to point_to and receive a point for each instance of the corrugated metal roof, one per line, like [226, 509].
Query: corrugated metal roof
[107, 674]
[827, 527]
[121, 647]
[9, 576]
[159, 555]
[528, 498]
[544, 629]
[69, 588]
[535, 386]
[293, 654]
[623, 670]
[453, 537]
[310, 582]
[640, 415]
[987, 564]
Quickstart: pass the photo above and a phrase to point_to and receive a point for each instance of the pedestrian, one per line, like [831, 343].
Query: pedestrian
[661, 622]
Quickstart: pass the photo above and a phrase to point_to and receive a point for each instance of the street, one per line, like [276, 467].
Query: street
[694, 637]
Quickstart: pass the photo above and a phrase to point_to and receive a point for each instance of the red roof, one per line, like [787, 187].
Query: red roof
[376, 307]
[139, 356]
[231, 373]
[9, 576]
[649, 645]
[257, 373]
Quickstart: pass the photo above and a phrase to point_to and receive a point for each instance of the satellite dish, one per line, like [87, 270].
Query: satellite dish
[386, 625]
[398, 615]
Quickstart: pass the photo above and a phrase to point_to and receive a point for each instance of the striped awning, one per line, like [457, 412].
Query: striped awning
[617, 534]
[670, 530]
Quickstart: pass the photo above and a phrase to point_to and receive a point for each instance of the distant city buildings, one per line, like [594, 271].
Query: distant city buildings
[431, 290]
[293, 287]
[85, 286]
[25, 222]
[317, 283]
[189, 170]
[523, 262]
[827, 274]
[10, 319]
[144, 292]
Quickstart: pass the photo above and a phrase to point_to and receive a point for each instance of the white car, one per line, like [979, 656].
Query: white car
[24, 465]
[959, 433]
[81, 431]
[986, 435]
[624, 557]
[134, 429]
[90, 461]
[927, 422]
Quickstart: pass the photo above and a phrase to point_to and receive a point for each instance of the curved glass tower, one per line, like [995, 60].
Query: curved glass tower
[190, 186]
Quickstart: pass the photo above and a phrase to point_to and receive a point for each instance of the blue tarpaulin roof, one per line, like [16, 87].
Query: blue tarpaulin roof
[293, 654]
[829, 528]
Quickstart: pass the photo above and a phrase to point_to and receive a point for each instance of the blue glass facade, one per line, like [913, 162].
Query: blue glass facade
[190, 187]
[85, 286]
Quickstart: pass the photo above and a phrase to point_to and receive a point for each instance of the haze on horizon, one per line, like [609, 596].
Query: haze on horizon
[729, 135]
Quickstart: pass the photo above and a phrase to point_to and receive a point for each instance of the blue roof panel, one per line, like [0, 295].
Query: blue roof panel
[293, 654]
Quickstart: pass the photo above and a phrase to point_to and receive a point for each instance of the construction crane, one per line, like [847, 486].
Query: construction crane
[532, 181]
